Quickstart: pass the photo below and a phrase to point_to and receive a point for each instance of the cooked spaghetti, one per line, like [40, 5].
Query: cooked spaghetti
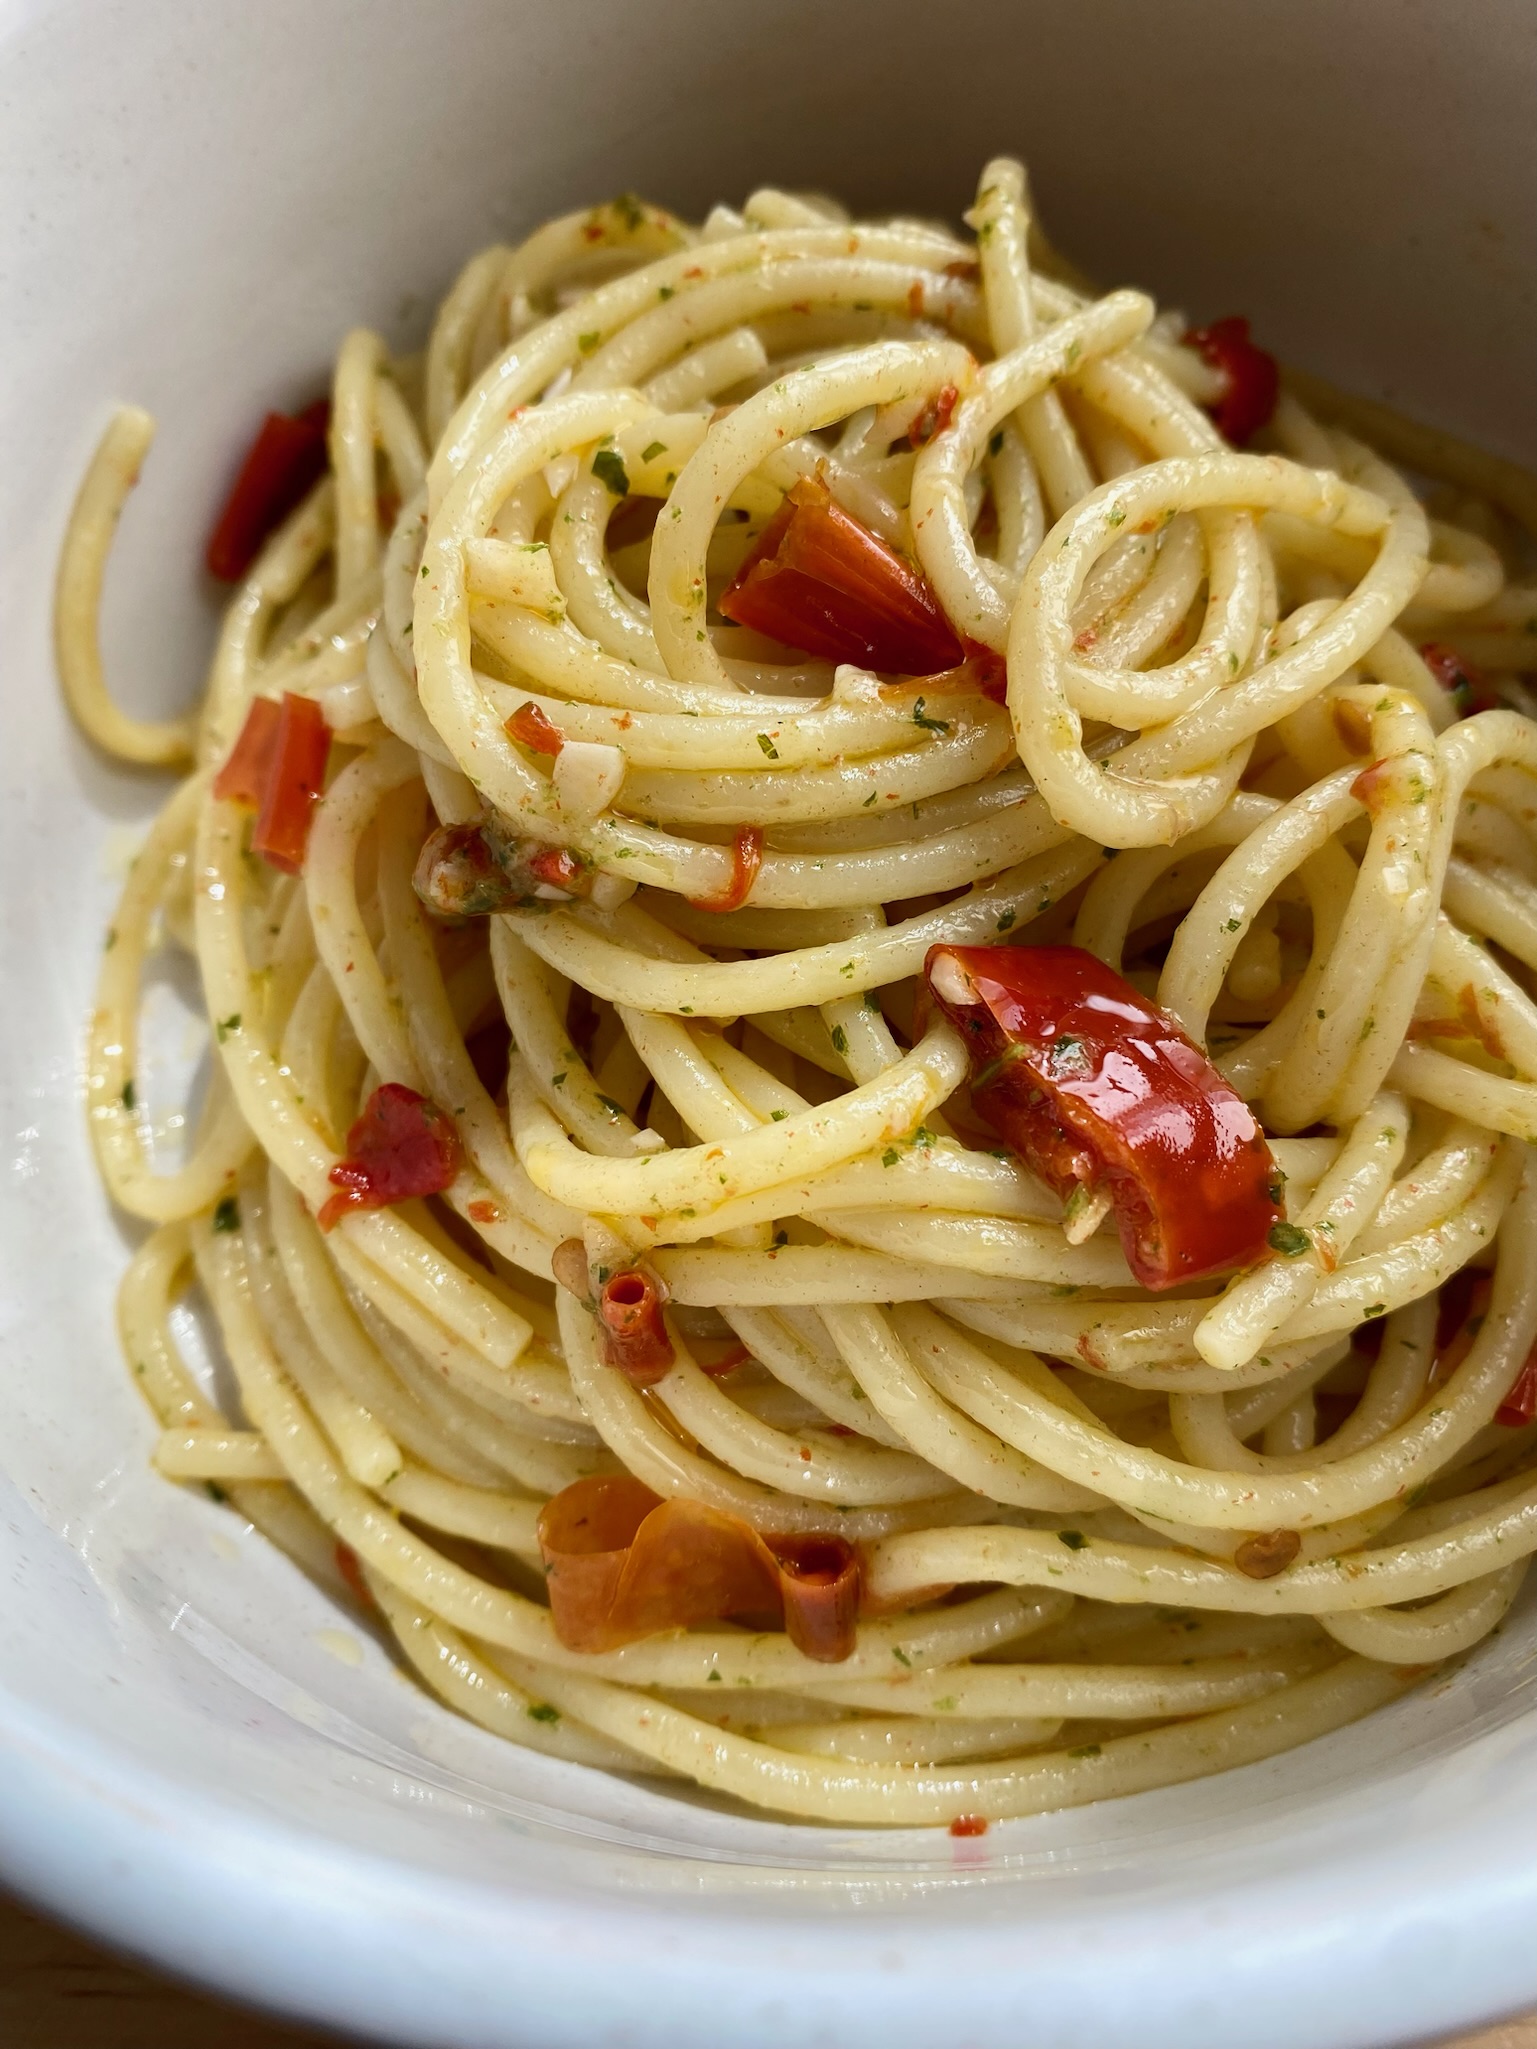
[873, 1016]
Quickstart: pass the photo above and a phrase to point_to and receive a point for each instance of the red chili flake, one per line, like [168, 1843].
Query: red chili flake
[934, 418]
[530, 727]
[1465, 684]
[285, 460]
[915, 300]
[965, 267]
[482, 1212]
[402, 1145]
[635, 1339]
[1253, 377]
[560, 869]
[746, 860]
[969, 1825]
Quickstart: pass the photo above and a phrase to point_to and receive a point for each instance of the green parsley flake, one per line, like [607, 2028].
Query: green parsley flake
[1290, 1240]
[226, 1215]
[768, 747]
[541, 1711]
[656, 448]
[1075, 1540]
[608, 467]
[921, 718]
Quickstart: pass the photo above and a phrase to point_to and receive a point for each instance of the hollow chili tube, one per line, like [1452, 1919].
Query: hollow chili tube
[635, 1340]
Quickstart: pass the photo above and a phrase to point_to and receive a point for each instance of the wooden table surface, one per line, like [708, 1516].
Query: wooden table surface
[60, 1992]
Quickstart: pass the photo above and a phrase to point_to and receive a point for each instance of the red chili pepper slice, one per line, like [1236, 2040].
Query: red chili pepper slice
[1253, 377]
[531, 728]
[402, 1145]
[296, 775]
[635, 1339]
[277, 768]
[1520, 1406]
[1466, 685]
[621, 1564]
[819, 580]
[285, 460]
[244, 775]
[1097, 1089]
[746, 860]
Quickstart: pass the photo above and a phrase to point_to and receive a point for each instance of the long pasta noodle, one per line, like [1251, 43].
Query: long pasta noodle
[1193, 721]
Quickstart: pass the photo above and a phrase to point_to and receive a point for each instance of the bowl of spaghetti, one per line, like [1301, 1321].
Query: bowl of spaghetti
[802, 1092]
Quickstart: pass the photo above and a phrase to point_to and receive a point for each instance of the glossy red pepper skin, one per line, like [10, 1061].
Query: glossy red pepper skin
[243, 777]
[287, 458]
[819, 580]
[277, 768]
[296, 775]
[746, 860]
[533, 729]
[1253, 377]
[1520, 1406]
[634, 1333]
[400, 1146]
[1094, 1087]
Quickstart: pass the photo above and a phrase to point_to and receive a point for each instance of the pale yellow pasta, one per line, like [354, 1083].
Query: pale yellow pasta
[1218, 1517]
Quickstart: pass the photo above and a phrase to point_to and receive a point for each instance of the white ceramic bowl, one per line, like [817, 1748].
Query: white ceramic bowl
[196, 202]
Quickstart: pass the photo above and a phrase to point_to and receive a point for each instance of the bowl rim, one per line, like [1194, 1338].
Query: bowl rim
[285, 1920]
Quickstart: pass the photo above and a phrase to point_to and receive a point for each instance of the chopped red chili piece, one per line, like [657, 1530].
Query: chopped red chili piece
[635, 1339]
[531, 728]
[1100, 1091]
[1253, 377]
[746, 860]
[934, 418]
[285, 460]
[295, 778]
[621, 1564]
[1520, 1406]
[470, 871]
[244, 775]
[277, 769]
[402, 1145]
[819, 580]
[1465, 684]
[969, 1825]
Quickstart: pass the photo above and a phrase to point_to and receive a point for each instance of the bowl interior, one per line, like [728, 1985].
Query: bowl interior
[205, 1758]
